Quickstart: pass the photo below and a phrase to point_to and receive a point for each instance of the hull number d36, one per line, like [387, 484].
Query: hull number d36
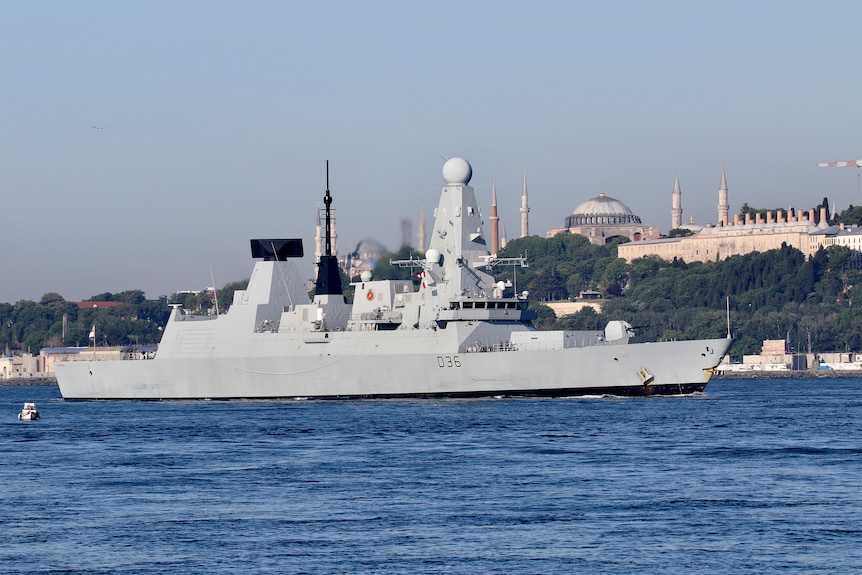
[448, 361]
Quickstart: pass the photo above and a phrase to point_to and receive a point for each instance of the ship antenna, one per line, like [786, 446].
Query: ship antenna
[215, 293]
[327, 200]
[728, 317]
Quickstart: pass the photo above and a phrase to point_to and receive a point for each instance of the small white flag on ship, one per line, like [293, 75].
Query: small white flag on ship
[93, 332]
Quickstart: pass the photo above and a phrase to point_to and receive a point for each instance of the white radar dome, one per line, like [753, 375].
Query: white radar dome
[432, 256]
[365, 276]
[457, 171]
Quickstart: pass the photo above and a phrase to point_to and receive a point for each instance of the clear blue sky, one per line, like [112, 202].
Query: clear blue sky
[221, 115]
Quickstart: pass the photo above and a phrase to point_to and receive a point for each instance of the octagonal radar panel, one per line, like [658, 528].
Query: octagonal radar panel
[457, 171]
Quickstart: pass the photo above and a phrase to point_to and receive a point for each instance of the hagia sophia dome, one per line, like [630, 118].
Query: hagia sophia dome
[602, 210]
[602, 219]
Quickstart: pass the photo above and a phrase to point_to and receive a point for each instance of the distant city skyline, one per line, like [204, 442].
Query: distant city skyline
[145, 142]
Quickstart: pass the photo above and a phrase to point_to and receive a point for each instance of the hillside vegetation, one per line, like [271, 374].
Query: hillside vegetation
[777, 294]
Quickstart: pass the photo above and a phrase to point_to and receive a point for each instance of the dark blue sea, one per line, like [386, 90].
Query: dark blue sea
[750, 477]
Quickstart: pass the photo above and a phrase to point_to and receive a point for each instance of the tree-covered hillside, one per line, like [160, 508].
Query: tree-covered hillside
[779, 294]
[130, 320]
[30, 326]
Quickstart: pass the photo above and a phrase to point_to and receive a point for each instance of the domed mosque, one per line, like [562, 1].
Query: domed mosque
[603, 219]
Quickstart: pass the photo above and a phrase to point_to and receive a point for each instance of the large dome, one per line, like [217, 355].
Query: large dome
[602, 210]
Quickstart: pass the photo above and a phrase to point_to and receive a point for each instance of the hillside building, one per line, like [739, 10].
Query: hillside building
[602, 219]
[739, 236]
[714, 243]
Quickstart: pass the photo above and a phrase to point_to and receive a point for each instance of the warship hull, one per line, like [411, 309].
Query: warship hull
[626, 370]
[459, 333]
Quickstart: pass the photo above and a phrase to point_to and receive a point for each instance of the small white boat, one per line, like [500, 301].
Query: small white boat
[29, 412]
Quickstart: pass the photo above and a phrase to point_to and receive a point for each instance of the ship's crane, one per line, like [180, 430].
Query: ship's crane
[850, 164]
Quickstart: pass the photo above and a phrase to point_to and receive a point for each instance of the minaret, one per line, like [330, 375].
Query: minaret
[676, 203]
[723, 206]
[503, 240]
[318, 238]
[333, 235]
[422, 243]
[525, 209]
[495, 220]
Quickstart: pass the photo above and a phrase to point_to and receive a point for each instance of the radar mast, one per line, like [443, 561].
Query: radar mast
[328, 279]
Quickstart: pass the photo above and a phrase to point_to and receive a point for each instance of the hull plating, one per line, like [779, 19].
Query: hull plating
[630, 370]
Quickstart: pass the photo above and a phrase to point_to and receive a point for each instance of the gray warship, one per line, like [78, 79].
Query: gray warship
[459, 333]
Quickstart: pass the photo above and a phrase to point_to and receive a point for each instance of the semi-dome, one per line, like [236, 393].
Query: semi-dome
[602, 210]
[369, 246]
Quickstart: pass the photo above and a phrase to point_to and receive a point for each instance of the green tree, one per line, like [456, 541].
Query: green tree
[852, 216]
[386, 269]
[224, 296]
[679, 233]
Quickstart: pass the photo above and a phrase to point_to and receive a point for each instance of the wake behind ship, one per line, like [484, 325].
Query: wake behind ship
[459, 333]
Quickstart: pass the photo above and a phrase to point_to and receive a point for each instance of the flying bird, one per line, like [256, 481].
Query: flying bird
[100, 128]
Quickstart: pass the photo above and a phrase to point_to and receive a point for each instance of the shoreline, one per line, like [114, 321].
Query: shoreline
[25, 381]
[727, 376]
[789, 374]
